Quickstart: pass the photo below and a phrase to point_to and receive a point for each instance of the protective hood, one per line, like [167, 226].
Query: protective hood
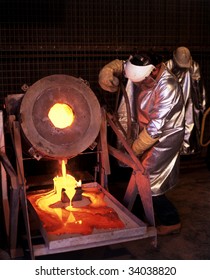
[182, 57]
[137, 73]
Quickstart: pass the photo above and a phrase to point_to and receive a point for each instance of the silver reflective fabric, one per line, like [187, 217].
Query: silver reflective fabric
[160, 109]
[195, 103]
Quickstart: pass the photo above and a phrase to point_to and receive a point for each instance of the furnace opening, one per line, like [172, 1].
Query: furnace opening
[61, 115]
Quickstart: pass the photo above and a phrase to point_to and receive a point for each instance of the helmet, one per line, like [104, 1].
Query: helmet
[182, 57]
[146, 59]
[137, 68]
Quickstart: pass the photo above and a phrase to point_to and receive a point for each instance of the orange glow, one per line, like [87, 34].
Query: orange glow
[65, 182]
[61, 115]
[89, 214]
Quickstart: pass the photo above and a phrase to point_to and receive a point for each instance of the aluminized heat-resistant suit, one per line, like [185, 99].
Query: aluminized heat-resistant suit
[158, 106]
[195, 103]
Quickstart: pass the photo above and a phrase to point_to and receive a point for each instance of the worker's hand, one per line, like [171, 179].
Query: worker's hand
[109, 75]
[143, 142]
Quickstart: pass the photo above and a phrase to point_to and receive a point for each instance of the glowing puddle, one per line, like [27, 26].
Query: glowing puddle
[60, 214]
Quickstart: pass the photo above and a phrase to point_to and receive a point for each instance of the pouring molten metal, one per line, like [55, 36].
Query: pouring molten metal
[48, 202]
[68, 216]
[61, 117]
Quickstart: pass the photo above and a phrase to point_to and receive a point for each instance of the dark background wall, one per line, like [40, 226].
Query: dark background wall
[77, 37]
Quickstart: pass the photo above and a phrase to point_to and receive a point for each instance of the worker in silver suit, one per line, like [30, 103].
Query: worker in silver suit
[160, 115]
[188, 73]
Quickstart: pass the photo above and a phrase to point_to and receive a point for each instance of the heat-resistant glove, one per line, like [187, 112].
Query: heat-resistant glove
[109, 75]
[143, 142]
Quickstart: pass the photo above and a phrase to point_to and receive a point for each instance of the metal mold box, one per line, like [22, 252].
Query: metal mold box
[134, 229]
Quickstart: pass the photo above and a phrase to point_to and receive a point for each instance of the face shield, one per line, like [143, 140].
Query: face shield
[137, 73]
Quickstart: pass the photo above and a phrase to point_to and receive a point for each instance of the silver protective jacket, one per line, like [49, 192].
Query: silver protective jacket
[195, 104]
[159, 107]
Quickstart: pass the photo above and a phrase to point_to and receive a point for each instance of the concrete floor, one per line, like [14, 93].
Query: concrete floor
[192, 198]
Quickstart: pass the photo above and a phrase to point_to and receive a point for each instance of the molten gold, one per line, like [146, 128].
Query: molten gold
[65, 182]
[61, 217]
[61, 115]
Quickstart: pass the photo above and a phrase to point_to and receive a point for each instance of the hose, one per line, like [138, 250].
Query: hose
[203, 128]
[127, 133]
[128, 111]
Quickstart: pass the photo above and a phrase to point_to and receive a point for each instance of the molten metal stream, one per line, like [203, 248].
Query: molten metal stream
[65, 182]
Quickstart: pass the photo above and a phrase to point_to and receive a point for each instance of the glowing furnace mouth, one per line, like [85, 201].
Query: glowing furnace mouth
[61, 115]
